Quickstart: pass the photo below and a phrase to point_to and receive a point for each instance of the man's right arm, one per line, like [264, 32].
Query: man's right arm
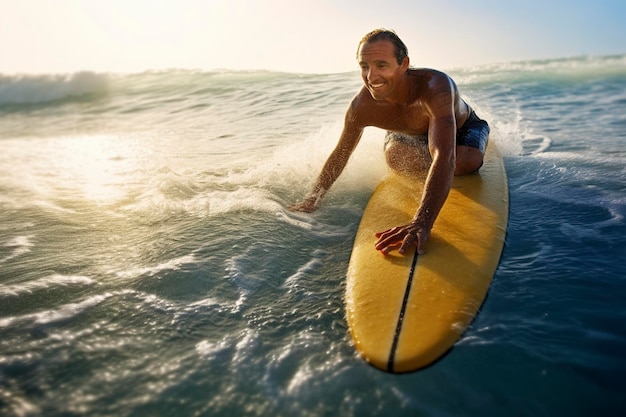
[336, 162]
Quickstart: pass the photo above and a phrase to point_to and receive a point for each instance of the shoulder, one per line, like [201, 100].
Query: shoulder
[362, 99]
[361, 108]
[431, 80]
[436, 91]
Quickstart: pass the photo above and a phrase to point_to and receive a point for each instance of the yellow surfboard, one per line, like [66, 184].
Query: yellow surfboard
[404, 312]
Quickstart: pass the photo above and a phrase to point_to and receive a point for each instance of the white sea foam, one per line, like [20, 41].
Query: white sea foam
[61, 313]
[169, 265]
[20, 246]
[240, 200]
[307, 269]
[208, 348]
[18, 405]
[246, 347]
[45, 283]
[250, 183]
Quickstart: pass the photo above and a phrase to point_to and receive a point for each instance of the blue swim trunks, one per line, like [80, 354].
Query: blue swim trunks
[474, 133]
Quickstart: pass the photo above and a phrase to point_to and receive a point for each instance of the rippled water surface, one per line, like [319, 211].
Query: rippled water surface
[148, 265]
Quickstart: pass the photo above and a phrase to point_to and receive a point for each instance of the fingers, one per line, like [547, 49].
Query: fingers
[301, 207]
[407, 242]
[392, 239]
[389, 232]
[421, 241]
[388, 240]
[422, 236]
[402, 238]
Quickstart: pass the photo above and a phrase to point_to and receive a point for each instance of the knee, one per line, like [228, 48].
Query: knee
[466, 169]
[468, 161]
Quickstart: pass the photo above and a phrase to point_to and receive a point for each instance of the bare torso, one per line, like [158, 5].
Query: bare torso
[413, 116]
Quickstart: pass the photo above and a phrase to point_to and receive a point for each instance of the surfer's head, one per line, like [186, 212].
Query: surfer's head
[383, 73]
[400, 49]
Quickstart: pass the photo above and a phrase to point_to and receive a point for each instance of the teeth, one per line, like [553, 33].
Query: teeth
[376, 85]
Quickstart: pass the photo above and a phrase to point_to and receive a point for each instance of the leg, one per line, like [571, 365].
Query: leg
[471, 144]
[468, 160]
[407, 159]
[410, 155]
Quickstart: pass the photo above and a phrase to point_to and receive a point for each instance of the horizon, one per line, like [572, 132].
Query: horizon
[481, 66]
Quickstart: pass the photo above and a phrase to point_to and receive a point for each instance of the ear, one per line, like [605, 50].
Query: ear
[405, 63]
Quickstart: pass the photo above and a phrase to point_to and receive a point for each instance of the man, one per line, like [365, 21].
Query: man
[420, 109]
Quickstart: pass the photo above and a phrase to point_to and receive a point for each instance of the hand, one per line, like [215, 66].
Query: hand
[403, 237]
[309, 205]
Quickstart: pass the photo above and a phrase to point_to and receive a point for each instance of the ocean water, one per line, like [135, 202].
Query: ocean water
[148, 266]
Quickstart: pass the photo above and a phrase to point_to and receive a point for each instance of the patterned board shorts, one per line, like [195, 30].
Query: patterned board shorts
[474, 133]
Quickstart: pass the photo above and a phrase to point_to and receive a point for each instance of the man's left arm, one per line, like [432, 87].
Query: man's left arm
[442, 146]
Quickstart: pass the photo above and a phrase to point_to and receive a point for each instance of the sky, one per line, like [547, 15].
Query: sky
[321, 36]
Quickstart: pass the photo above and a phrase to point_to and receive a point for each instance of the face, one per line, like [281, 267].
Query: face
[380, 70]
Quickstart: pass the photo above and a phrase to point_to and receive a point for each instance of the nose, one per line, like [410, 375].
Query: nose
[371, 74]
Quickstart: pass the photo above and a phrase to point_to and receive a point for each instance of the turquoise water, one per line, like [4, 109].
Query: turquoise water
[148, 265]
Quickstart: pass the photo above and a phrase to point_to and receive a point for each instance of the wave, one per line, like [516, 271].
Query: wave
[37, 89]
[85, 85]
[27, 89]
[566, 69]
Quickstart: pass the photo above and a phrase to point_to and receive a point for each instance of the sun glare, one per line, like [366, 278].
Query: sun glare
[97, 168]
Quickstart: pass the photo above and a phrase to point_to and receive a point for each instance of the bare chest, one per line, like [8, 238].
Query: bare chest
[411, 120]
